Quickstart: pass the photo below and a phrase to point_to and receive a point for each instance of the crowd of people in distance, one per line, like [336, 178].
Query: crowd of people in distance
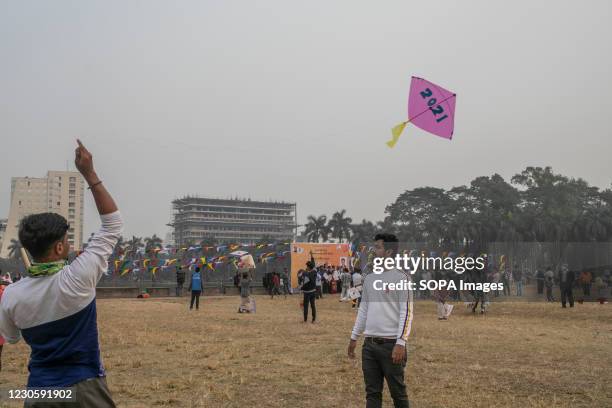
[332, 279]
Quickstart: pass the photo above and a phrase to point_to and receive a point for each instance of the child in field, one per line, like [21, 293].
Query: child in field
[444, 309]
[245, 294]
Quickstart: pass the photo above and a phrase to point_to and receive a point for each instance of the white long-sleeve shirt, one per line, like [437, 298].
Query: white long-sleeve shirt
[384, 313]
[56, 314]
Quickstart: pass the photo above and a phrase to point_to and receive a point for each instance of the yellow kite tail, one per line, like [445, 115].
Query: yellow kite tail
[396, 132]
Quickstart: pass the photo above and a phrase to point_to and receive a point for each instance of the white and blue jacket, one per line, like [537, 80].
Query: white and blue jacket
[56, 315]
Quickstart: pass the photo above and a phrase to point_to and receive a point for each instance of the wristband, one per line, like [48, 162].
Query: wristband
[94, 184]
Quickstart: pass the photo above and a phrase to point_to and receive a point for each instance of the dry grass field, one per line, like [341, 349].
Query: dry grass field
[159, 354]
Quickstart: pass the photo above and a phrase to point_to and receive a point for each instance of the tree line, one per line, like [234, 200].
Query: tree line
[536, 205]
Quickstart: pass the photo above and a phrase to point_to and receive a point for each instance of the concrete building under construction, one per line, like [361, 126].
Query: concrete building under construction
[232, 220]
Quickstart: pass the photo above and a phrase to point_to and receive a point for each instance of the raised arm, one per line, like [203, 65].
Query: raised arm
[84, 163]
[86, 270]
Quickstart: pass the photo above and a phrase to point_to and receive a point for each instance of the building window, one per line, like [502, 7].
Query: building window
[71, 205]
[72, 179]
[72, 185]
[71, 192]
[58, 203]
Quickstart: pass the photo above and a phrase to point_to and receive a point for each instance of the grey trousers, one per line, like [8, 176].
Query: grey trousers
[92, 392]
[378, 366]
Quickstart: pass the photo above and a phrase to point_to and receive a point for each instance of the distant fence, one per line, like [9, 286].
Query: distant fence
[531, 255]
[223, 273]
[594, 256]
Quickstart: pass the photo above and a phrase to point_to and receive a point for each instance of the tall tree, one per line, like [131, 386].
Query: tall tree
[340, 225]
[14, 249]
[316, 228]
[152, 243]
[134, 244]
[363, 232]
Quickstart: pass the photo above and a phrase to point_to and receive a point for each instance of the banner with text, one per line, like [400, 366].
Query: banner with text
[331, 254]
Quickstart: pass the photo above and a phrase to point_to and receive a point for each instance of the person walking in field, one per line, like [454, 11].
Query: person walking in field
[345, 279]
[549, 282]
[245, 294]
[309, 290]
[180, 280]
[195, 286]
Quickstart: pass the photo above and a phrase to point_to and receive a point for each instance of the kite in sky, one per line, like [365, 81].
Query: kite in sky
[431, 108]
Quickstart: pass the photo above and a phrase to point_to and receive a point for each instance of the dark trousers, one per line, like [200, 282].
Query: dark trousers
[310, 298]
[540, 286]
[92, 392]
[179, 289]
[506, 283]
[377, 366]
[566, 294]
[195, 296]
[586, 289]
[549, 295]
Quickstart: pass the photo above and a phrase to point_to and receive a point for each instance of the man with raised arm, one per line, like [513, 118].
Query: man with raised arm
[54, 308]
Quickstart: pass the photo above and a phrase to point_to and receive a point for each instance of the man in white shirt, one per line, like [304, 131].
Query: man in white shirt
[54, 308]
[385, 318]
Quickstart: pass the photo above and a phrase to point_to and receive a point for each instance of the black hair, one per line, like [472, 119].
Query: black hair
[390, 242]
[197, 269]
[39, 232]
[310, 264]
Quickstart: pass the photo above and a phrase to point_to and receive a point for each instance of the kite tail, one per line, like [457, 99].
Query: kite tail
[396, 132]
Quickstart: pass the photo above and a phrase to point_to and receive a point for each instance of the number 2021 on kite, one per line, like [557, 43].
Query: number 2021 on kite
[438, 110]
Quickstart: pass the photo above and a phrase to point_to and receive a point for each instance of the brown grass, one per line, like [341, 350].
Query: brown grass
[157, 353]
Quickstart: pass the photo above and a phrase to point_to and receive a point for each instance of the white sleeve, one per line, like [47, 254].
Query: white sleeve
[8, 330]
[83, 274]
[406, 304]
[362, 314]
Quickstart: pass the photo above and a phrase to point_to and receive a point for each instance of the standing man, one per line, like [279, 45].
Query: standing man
[549, 281]
[566, 281]
[506, 278]
[385, 319]
[540, 280]
[180, 280]
[309, 290]
[196, 288]
[285, 279]
[346, 279]
[319, 285]
[54, 308]
[518, 278]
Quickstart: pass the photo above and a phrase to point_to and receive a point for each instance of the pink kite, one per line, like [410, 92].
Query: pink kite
[430, 107]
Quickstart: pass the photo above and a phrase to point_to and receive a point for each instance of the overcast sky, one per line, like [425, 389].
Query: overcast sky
[294, 100]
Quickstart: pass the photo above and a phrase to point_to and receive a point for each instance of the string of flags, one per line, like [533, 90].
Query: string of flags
[194, 255]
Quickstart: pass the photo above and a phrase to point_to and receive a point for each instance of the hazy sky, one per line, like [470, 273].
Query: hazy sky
[294, 100]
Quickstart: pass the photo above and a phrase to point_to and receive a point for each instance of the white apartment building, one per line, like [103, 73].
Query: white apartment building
[60, 192]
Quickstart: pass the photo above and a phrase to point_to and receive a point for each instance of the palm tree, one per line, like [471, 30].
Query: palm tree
[14, 248]
[134, 244]
[152, 243]
[340, 225]
[316, 228]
